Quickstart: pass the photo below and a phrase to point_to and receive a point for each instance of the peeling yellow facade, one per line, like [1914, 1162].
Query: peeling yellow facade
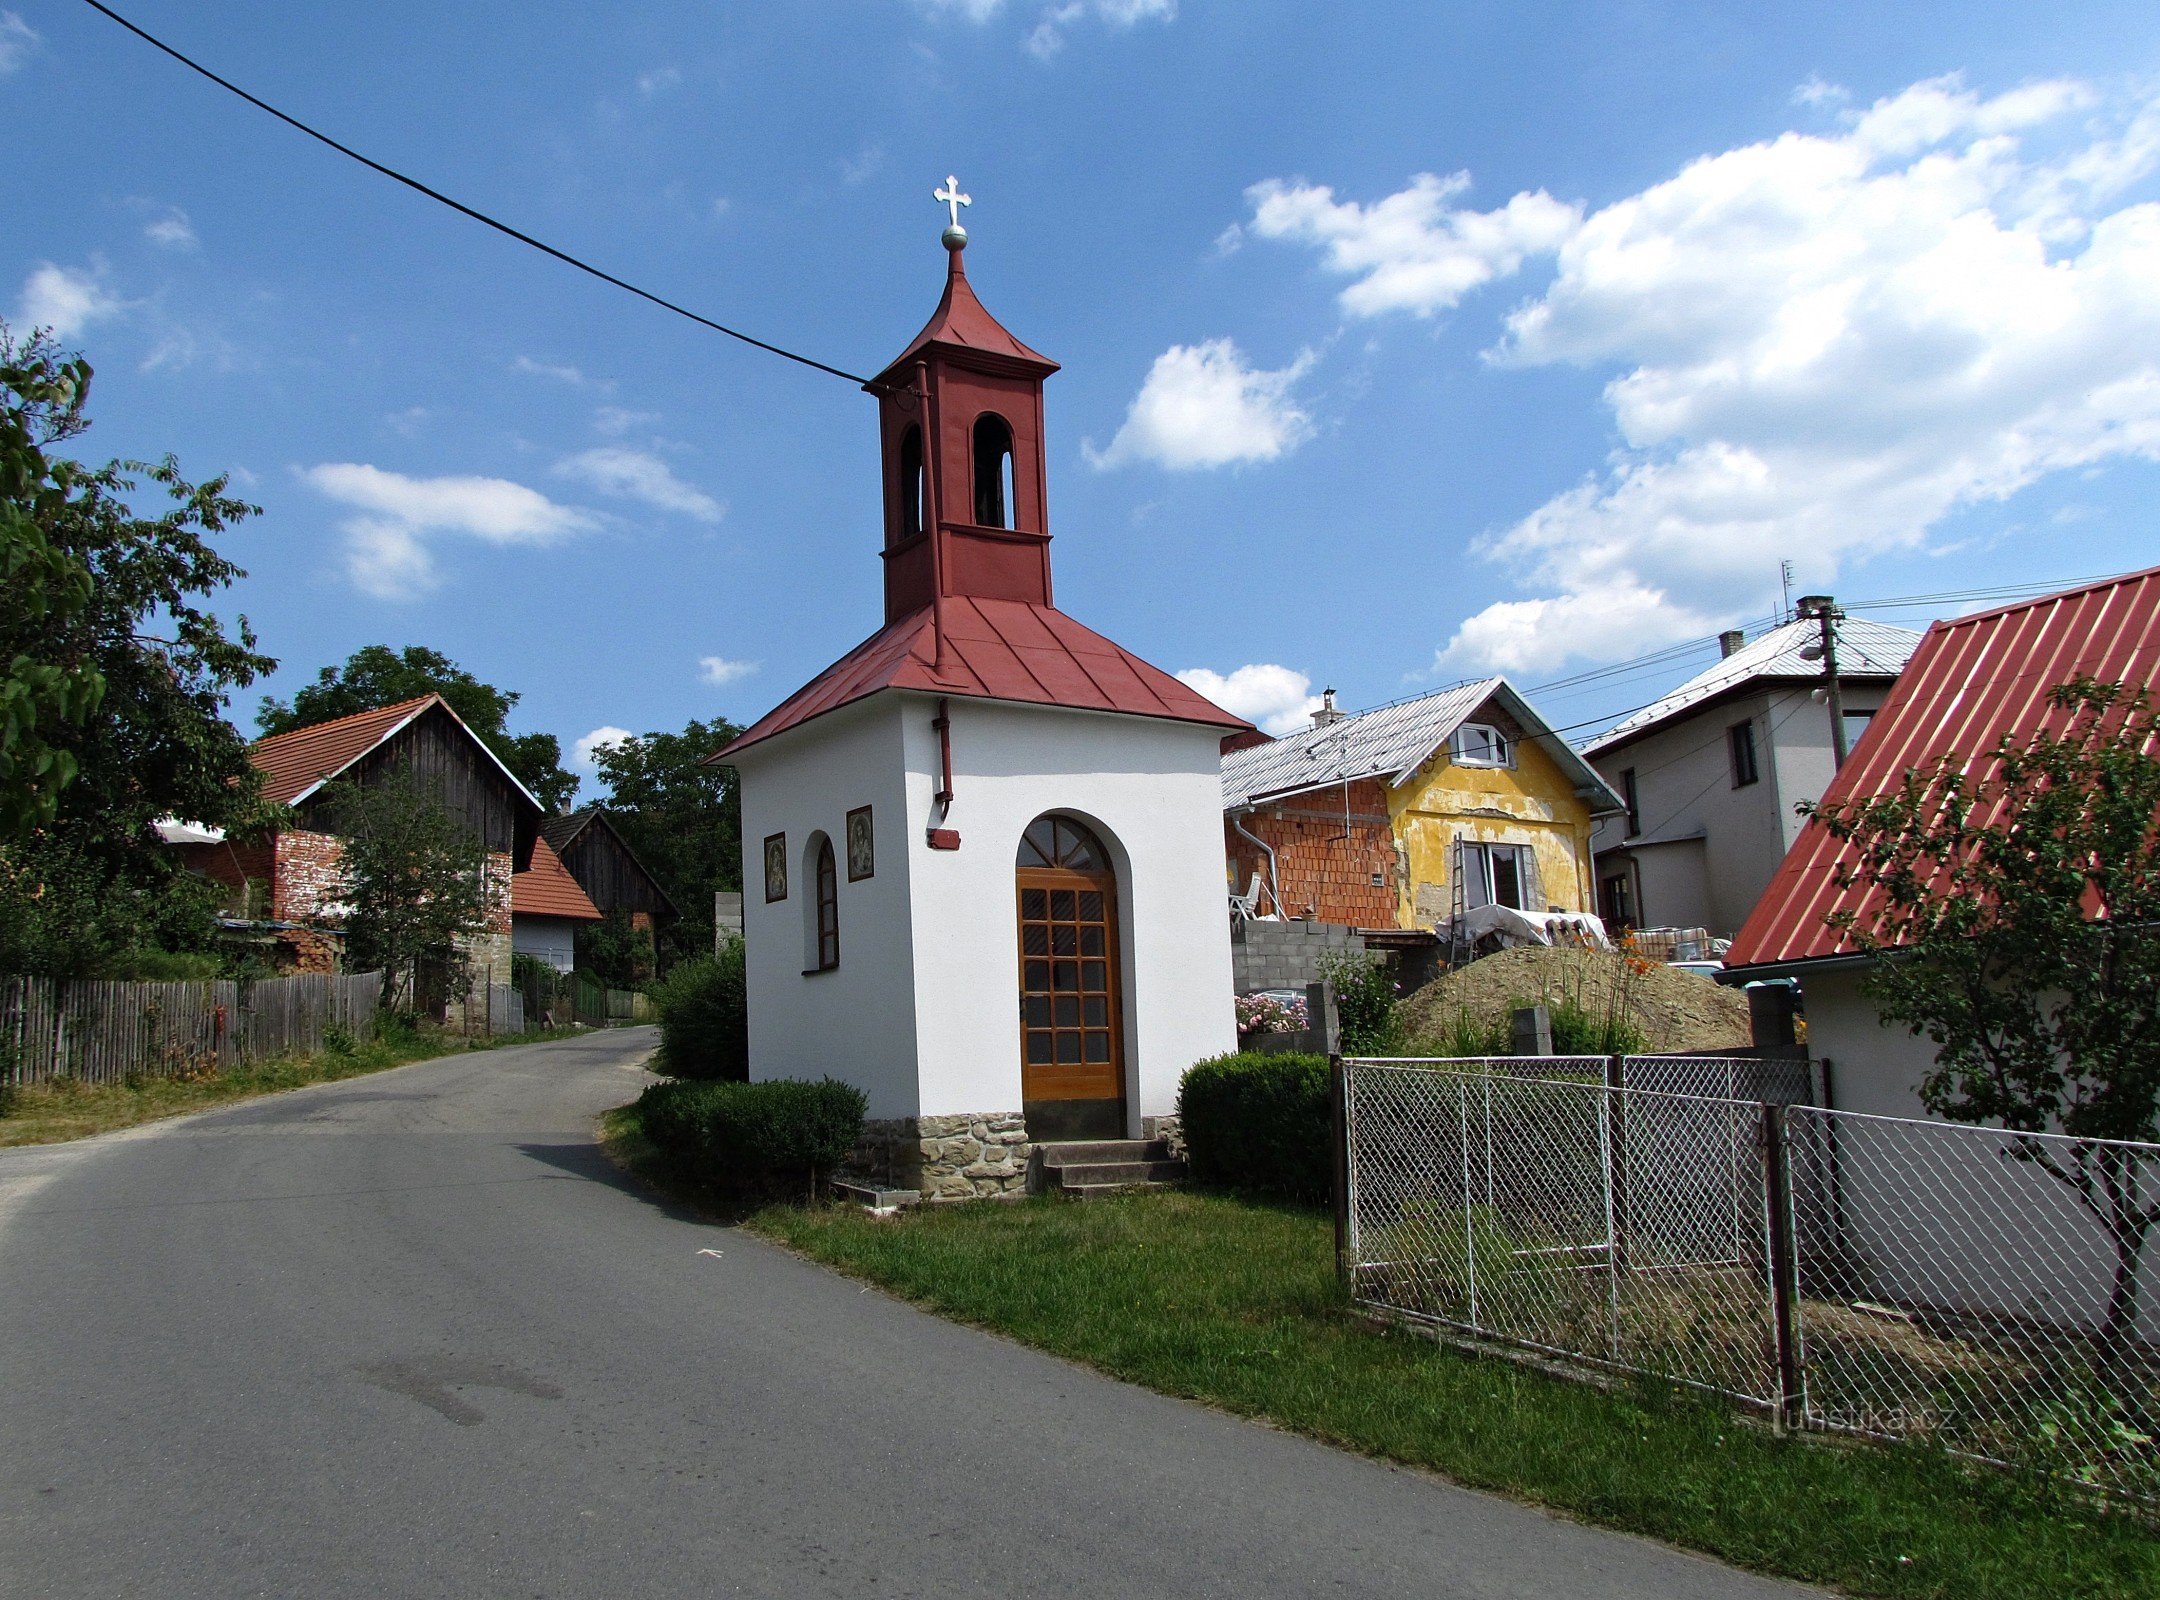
[1531, 803]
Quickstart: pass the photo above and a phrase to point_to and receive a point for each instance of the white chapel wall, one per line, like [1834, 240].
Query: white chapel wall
[856, 1022]
[1152, 789]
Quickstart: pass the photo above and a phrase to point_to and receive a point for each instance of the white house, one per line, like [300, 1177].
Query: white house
[983, 849]
[1709, 775]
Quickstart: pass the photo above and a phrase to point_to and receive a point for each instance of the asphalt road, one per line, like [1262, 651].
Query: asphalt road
[410, 1335]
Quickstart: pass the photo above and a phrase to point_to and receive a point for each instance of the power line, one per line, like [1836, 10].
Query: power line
[463, 209]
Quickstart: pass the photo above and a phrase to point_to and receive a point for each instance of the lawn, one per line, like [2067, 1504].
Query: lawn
[1235, 1304]
[49, 1113]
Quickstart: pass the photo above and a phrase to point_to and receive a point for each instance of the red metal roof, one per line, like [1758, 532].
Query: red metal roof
[295, 762]
[1972, 681]
[546, 889]
[994, 650]
[963, 320]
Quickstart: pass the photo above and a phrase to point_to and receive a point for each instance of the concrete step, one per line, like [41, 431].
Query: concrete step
[1114, 1174]
[1081, 1152]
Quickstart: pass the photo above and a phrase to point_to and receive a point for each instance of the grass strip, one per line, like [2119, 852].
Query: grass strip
[65, 1108]
[1235, 1304]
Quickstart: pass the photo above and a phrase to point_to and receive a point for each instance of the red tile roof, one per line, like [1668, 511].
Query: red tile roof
[994, 650]
[1972, 681]
[294, 763]
[546, 889]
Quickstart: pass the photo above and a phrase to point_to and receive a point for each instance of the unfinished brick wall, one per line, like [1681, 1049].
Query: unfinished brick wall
[233, 866]
[310, 876]
[1347, 875]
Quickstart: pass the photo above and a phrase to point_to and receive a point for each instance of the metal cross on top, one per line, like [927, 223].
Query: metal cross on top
[952, 197]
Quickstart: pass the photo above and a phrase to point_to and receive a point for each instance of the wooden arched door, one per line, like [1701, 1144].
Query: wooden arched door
[1072, 1028]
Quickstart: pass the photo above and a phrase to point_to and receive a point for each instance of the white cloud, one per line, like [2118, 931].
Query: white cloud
[67, 299]
[658, 81]
[17, 40]
[638, 475]
[1412, 251]
[1047, 37]
[615, 421]
[1822, 345]
[587, 748]
[719, 671]
[171, 228]
[1275, 699]
[1202, 406]
[866, 164]
[387, 553]
[966, 10]
[560, 373]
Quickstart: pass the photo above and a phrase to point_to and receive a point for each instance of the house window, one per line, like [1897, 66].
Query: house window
[1741, 736]
[911, 484]
[821, 919]
[1499, 875]
[1478, 744]
[1856, 723]
[993, 471]
[1619, 898]
[1631, 800]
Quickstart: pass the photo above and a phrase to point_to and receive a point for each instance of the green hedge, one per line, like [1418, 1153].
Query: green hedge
[705, 1018]
[1259, 1123]
[754, 1138]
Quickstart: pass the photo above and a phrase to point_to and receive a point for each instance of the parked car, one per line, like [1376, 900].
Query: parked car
[1701, 969]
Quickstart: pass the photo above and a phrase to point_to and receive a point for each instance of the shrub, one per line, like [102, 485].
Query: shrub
[1364, 1001]
[1259, 1123]
[705, 1018]
[755, 1138]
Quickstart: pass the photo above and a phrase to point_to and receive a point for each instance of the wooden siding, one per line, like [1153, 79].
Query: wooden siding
[450, 763]
[610, 875]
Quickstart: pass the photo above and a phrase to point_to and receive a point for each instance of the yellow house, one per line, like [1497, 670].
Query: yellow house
[1400, 816]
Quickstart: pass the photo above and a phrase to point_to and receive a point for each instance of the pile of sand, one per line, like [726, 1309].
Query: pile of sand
[1675, 1010]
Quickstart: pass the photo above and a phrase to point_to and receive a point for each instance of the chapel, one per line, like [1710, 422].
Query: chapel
[983, 849]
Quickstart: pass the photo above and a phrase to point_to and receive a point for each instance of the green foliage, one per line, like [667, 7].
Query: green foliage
[682, 819]
[1364, 1001]
[1465, 1035]
[48, 587]
[415, 878]
[375, 675]
[91, 879]
[614, 953]
[750, 1138]
[2020, 926]
[1260, 1123]
[704, 1016]
[1579, 1029]
[167, 966]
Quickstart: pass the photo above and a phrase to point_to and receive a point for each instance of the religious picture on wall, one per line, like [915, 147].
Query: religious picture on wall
[861, 854]
[776, 866]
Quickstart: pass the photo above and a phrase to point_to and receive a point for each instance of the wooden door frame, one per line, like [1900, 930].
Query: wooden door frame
[1105, 883]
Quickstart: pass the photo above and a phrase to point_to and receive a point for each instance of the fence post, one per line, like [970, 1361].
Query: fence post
[1616, 1159]
[1784, 1273]
[1339, 1154]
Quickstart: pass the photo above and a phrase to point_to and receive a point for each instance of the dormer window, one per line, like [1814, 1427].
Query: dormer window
[1479, 744]
[993, 471]
[911, 484]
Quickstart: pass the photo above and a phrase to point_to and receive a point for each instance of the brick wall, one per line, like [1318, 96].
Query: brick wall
[1346, 877]
[310, 876]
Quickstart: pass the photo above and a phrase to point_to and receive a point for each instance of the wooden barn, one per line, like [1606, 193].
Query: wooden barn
[607, 869]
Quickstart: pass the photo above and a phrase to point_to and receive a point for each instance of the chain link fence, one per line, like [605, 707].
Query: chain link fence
[1980, 1289]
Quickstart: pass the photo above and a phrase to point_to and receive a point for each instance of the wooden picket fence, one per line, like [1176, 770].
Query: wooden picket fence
[102, 1032]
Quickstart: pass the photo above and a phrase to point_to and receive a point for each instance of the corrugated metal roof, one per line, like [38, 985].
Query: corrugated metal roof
[994, 650]
[1866, 650]
[963, 320]
[546, 889]
[1389, 742]
[1972, 681]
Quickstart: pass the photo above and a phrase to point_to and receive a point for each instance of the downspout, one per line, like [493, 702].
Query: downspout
[1267, 850]
[937, 835]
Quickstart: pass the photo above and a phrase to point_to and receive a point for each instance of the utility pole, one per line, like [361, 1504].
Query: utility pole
[1824, 610]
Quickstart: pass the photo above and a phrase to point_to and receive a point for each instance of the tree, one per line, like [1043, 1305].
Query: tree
[375, 675]
[416, 879]
[151, 740]
[2019, 930]
[681, 818]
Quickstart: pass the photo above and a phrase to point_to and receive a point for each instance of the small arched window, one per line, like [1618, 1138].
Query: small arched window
[993, 471]
[821, 910]
[911, 484]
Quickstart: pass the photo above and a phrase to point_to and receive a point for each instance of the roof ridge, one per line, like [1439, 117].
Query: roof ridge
[2054, 597]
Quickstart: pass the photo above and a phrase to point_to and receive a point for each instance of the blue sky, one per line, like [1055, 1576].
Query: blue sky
[1400, 342]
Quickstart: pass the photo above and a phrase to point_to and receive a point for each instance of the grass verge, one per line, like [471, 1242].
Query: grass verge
[51, 1113]
[1235, 1304]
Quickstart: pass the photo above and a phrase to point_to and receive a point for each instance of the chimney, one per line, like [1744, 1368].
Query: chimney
[1729, 641]
[1327, 714]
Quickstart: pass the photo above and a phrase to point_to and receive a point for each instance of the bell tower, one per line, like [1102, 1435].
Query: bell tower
[960, 422]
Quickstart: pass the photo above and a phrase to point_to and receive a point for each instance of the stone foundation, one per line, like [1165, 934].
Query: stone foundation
[945, 1158]
[1171, 1130]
